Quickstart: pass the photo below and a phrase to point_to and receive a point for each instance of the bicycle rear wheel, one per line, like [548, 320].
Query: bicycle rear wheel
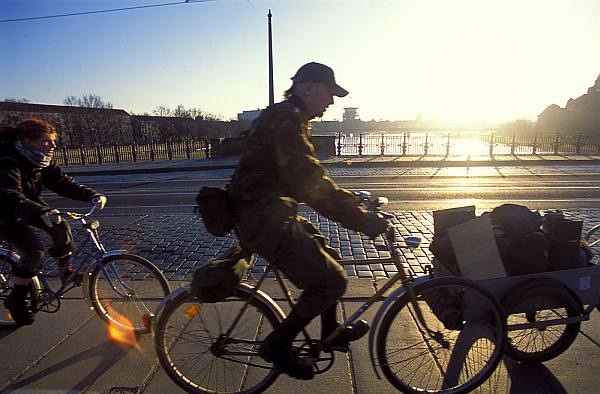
[6, 285]
[467, 345]
[192, 347]
[538, 301]
[592, 237]
[139, 287]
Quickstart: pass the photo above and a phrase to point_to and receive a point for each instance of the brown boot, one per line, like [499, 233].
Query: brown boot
[277, 349]
[66, 269]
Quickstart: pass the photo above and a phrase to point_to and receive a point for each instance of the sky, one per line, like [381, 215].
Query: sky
[454, 60]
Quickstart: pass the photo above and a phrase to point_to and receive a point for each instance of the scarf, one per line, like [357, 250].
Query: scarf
[37, 157]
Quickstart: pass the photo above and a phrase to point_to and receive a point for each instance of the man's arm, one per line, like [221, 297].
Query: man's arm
[64, 185]
[15, 204]
[308, 181]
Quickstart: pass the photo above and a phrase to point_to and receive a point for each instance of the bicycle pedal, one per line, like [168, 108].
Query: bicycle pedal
[147, 320]
[341, 348]
[357, 330]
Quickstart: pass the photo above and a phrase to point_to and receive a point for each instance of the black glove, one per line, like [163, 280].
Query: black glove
[374, 224]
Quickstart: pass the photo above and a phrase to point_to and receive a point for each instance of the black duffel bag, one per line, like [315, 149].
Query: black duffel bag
[216, 211]
[516, 220]
[216, 279]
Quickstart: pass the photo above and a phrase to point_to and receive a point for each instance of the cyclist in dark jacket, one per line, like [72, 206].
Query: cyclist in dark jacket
[25, 167]
[278, 168]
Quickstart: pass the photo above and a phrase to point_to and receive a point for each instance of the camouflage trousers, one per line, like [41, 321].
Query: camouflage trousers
[297, 249]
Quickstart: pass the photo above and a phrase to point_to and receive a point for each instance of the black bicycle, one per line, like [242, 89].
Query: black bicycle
[435, 335]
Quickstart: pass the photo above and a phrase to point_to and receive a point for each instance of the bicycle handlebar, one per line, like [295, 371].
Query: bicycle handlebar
[78, 216]
[375, 204]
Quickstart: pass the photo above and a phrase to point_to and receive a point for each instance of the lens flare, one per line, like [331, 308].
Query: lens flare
[192, 310]
[118, 333]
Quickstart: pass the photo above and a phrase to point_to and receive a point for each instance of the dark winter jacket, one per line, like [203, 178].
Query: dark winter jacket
[21, 187]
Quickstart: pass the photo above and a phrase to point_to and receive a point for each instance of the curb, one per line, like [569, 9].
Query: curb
[150, 170]
[342, 164]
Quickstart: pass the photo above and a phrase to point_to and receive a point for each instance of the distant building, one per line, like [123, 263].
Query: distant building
[150, 128]
[580, 115]
[249, 116]
[75, 125]
[350, 114]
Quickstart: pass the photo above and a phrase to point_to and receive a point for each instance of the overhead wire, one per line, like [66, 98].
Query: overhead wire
[104, 11]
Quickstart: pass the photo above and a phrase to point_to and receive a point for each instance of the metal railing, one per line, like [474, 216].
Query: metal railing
[361, 144]
[83, 155]
[468, 144]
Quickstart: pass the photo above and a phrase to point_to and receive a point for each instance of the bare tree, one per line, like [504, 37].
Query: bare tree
[90, 125]
[88, 101]
[161, 110]
[194, 112]
[16, 100]
[181, 112]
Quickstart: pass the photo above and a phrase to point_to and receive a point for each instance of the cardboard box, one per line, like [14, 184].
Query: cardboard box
[444, 219]
[476, 250]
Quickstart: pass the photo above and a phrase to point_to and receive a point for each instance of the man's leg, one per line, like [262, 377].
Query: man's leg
[311, 268]
[62, 247]
[23, 239]
[329, 318]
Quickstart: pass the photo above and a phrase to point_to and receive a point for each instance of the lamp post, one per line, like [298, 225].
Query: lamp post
[271, 95]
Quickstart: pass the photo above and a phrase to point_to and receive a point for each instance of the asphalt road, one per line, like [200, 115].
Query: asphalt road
[417, 189]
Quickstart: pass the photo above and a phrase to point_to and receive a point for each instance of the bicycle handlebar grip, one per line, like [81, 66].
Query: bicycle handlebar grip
[99, 201]
[390, 234]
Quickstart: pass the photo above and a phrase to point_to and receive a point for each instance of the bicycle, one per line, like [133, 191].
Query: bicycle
[122, 288]
[207, 348]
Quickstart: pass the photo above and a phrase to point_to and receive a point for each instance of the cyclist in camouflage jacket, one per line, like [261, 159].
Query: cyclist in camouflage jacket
[278, 168]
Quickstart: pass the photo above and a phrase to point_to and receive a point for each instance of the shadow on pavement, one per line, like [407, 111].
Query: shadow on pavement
[6, 331]
[108, 353]
[532, 378]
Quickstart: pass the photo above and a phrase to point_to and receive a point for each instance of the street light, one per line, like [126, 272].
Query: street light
[271, 95]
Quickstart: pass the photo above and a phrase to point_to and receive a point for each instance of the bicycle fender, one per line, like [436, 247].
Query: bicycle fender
[118, 252]
[85, 288]
[399, 292]
[244, 287]
[13, 257]
[85, 284]
[265, 298]
[172, 295]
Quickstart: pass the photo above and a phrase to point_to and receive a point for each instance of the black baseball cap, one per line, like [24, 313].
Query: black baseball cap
[317, 72]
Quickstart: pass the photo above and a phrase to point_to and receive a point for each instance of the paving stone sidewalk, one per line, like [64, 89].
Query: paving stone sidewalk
[179, 244]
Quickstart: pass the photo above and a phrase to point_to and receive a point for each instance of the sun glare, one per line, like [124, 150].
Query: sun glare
[459, 61]
[118, 334]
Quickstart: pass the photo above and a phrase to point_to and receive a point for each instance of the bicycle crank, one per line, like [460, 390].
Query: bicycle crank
[48, 301]
[322, 358]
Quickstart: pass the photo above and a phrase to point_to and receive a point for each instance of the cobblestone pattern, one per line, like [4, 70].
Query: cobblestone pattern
[178, 243]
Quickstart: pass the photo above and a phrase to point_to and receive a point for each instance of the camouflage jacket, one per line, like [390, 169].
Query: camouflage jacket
[279, 164]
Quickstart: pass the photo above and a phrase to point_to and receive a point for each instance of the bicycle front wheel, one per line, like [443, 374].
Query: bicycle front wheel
[125, 291]
[457, 348]
[194, 349]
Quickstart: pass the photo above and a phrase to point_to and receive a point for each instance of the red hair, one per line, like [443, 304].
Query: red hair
[30, 128]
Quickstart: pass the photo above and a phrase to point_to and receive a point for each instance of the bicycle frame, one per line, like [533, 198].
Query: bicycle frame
[406, 280]
[84, 265]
